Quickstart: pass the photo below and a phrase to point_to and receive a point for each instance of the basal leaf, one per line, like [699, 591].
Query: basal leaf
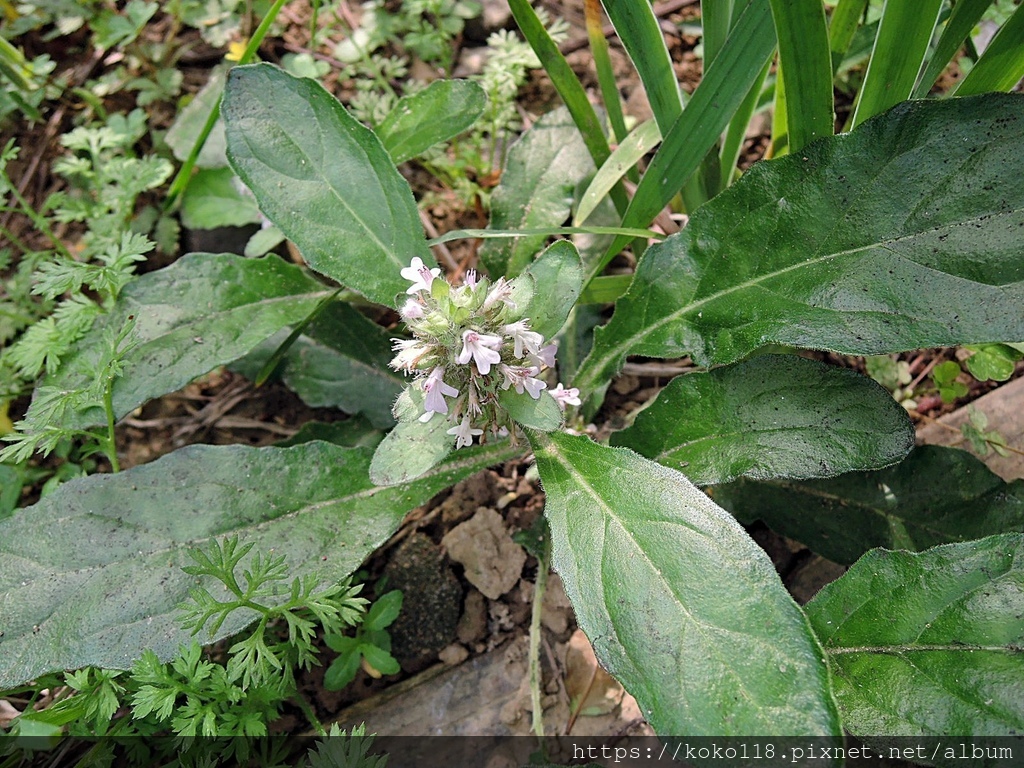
[324, 179]
[441, 111]
[679, 603]
[340, 361]
[929, 643]
[91, 575]
[773, 416]
[202, 311]
[935, 496]
[905, 233]
[211, 200]
[537, 187]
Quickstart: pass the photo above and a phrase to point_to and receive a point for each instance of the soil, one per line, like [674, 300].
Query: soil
[468, 584]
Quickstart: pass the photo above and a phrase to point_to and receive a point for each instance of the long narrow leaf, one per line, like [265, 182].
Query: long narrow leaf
[638, 143]
[845, 18]
[806, 67]
[1001, 65]
[605, 73]
[708, 111]
[900, 47]
[958, 28]
[736, 133]
[715, 21]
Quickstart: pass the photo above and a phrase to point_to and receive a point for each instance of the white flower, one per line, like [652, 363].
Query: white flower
[412, 310]
[522, 379]
[470, 279]
[464, 433]
[533, 386]
[545, 357]
[409, 353]
[481, 347]
[501, 291]
[565, 396]
[522, 336]
[436, 390]
[420, 275]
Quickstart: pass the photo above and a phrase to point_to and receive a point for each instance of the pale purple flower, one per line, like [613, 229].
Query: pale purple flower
[533, 386]
[470, 279]
[522, 379]
[464, 433]
[501, 291]
[565, 396]
[481, 347]
[436, 390]
[420, 275]
[544, 357]
[409, 353]
[412, 310]
[523, 337]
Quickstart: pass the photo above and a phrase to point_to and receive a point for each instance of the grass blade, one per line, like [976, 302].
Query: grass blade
[1001, 66]
[845, 19]
[807, 69]
[638, 143]
[715, 19]
[709, 110]
[737, 130]
[900, 47]
[958, 28]
[605, 73]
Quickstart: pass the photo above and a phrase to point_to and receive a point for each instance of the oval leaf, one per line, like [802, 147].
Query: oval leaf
[679, 603]
[935, 496]
[537, 187]
[903, 234]
[324, 179]
[439, 112]
[91, 575]
[410, 450]
[773, 416]
[929, 644]
[542, 413]
[558, 274]
[202, 311]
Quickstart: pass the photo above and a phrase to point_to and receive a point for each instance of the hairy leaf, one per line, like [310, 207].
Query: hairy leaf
[679, 603]
[773, 416]
[324, 179]
[903, 234]
[91, 575]
[441, 111]
[929, 643]
[935, 496]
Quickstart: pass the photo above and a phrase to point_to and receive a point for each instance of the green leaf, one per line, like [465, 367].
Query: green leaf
[324, 179]
[558, 272]
[812, 250]
[441, 111]
[340, 361]
[190, 122]
[412, 448]
[929, 644]
[806, 66]
[630, 151]
[935, 496]
[202, 311]
[680, 604]
[91, 575]
[380, 659]
[536, 190]
[342, 670]
[1001, 65]
[773, 416]
[962, 19]
[542, 414]
[904, 32]
[384, 611]
[211, 200]
[995, 362]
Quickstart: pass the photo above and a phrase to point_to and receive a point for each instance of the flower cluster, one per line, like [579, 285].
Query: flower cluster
[470, 342]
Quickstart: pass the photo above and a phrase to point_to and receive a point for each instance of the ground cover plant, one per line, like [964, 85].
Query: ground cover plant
[903, 232]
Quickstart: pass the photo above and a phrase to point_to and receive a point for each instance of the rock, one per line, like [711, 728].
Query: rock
[473, 624]
[453, 654]
[493, 562]
[431, 604]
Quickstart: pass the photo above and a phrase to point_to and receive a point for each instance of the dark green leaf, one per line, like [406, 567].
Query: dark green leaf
[202, 311]
[341, 360]
[441, 111]
[1001, 65]
[937, 495]
[559, 273]
[324, 179]
[380, 659]
[680, 604]
[929, 644]
[384, 611]
[91, 575]
[815, 250]
[773, 416]
[537, 187]
[350, 433]
[343, 669]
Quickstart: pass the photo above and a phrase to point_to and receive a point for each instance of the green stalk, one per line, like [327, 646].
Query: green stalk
[543, 563]
[36, 218]
[109, 443]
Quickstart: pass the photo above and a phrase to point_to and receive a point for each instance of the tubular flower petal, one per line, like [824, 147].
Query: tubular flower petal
[420, 275]
[464, 433]
[481, 348]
